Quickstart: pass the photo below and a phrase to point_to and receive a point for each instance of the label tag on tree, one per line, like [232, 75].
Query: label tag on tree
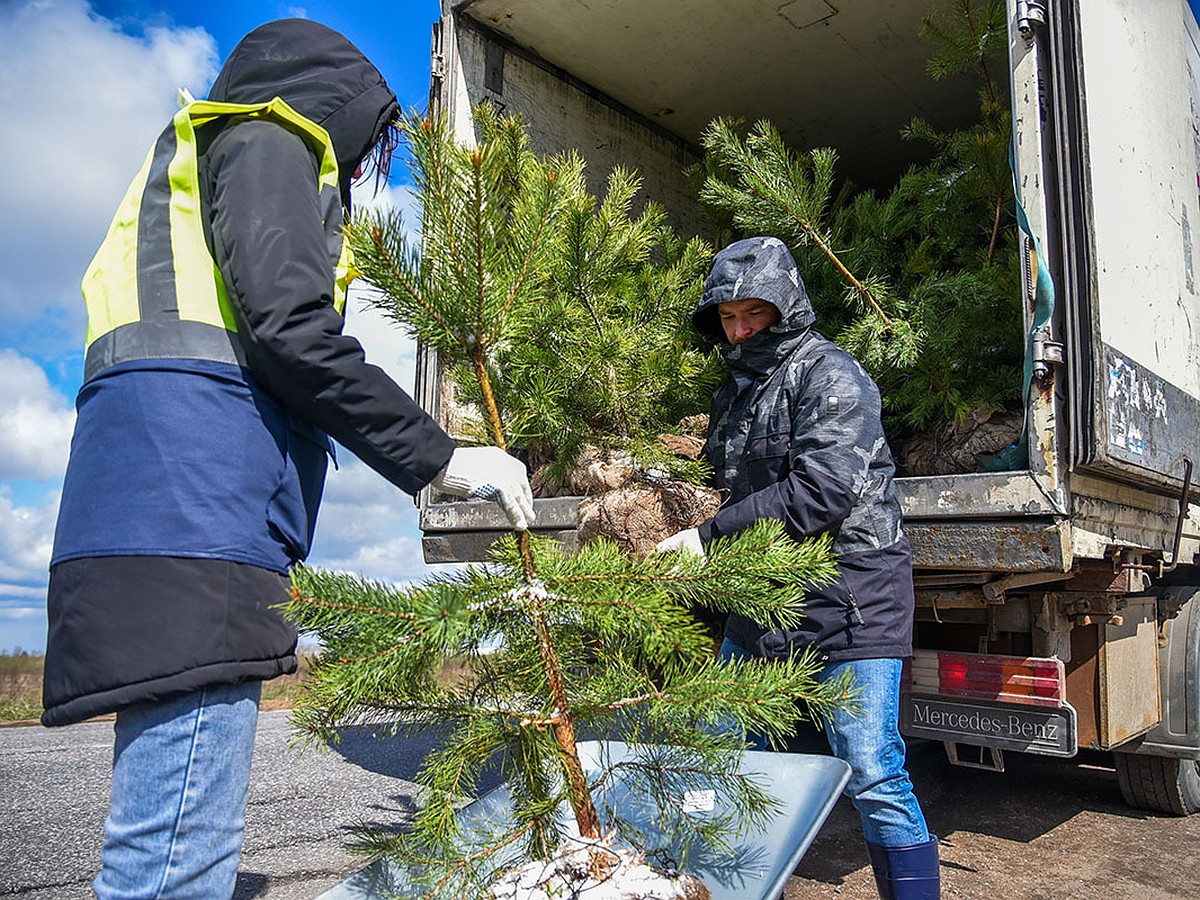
[699, 801]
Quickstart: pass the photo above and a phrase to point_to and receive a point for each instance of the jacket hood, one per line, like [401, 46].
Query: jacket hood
[322, 76]
[759, 267]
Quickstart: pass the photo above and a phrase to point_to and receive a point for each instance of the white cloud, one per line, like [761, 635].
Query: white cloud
[35, 421]
[367, 526]
[386, 343]
[77, 132]
[83, 103]
[26, 536]
[22, 592]
[400, 197]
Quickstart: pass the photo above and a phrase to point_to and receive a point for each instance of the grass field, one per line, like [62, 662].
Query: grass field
[21, 686]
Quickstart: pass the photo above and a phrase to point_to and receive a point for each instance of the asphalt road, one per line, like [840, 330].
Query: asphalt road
[54, 786]
[1046, 829]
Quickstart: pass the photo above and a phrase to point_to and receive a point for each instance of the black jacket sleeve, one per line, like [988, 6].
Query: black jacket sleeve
[269, 240]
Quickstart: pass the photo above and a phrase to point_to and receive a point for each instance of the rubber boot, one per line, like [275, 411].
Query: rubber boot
[907, 873]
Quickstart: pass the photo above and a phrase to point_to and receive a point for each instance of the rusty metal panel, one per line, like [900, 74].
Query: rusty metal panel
[1130, 270]
[1109, 514]
[462, 531]
[1140, 91]
[1128, 673]
[1148, 425]
[987, 494]
[472, 546]
[553, 513]
[1081, 683]
[991, 546]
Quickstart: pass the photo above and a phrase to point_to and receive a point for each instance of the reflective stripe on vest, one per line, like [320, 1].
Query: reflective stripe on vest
[153, 290]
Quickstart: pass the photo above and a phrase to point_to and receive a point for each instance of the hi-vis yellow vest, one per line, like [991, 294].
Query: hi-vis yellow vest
[153, 290]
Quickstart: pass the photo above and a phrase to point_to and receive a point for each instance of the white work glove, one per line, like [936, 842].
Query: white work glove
[687, 540]
[490, 474]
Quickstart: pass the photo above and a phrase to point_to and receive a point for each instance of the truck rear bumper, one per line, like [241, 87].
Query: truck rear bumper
[989, 700]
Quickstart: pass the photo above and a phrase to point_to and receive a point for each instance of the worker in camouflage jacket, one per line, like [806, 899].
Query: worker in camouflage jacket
[795, 434]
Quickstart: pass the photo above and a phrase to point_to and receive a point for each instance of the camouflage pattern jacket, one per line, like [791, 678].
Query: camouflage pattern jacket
[795, 434]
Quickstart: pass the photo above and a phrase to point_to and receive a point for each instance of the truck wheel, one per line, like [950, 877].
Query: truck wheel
[1159, 783]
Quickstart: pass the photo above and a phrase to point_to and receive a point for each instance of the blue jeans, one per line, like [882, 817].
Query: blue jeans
[869, 740]
[181, 772]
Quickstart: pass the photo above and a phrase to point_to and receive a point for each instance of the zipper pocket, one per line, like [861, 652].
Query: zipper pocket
[855, 613]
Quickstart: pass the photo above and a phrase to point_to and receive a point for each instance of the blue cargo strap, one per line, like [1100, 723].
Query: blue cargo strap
[1017, 456]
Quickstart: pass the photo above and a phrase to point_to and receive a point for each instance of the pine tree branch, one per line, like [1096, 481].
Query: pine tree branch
[491, 409]
[463, 866]
[332, 605]
[386, 260]
[430, 136]
[849, 276]
[431, 714]
[481, 337]
[534, 245]
[995, 238]
[639, 616]
[564, 731]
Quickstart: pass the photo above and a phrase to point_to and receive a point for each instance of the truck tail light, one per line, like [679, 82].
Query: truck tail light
[1032, 680]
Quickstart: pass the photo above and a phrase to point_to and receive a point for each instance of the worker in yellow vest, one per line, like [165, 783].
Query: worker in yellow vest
[216, 374]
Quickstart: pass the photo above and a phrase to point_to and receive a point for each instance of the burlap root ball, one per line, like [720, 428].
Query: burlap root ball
[640, 514]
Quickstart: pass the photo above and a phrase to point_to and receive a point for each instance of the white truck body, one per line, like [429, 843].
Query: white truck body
[1087, 556]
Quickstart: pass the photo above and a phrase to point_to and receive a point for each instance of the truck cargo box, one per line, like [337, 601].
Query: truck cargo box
[1105, 162]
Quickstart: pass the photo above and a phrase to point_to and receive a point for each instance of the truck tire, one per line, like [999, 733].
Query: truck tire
[1159, 783]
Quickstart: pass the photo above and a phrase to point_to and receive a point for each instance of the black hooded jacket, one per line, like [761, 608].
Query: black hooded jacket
[193, 483]
[319, 74]
[270, 238]
[795, 434]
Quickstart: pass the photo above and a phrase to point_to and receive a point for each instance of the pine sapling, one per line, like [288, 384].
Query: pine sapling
[551, 641]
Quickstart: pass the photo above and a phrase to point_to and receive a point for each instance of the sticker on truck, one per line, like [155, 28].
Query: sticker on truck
[1029, 729]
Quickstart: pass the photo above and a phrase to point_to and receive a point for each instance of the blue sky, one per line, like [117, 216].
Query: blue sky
[84, 89]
